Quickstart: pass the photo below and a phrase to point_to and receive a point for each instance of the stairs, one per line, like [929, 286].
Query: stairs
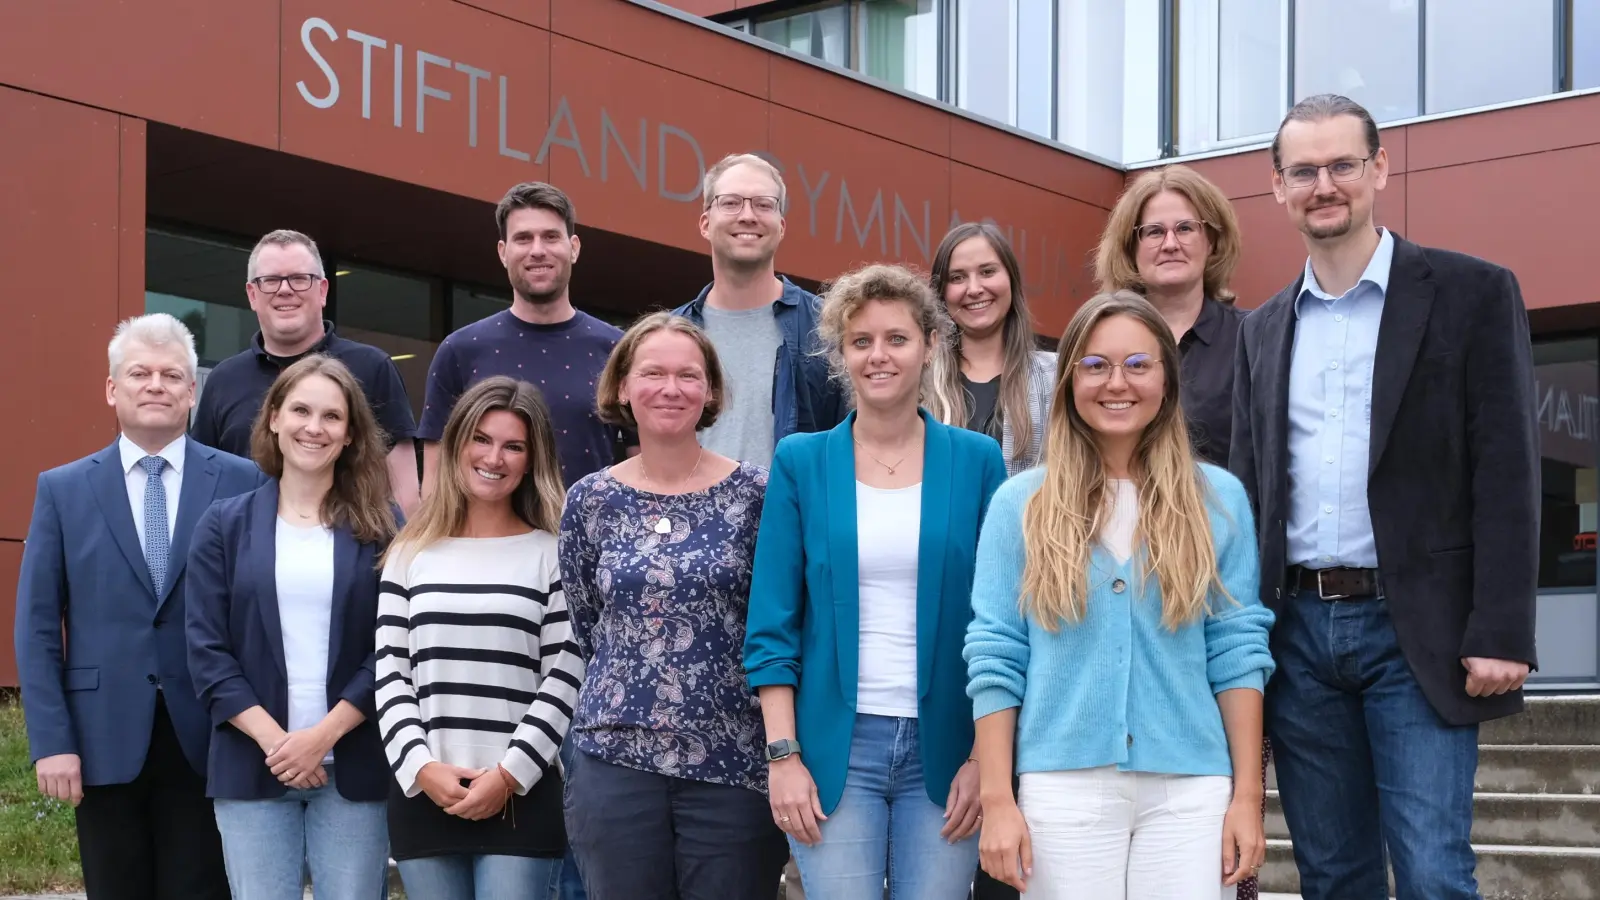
[1536, 812]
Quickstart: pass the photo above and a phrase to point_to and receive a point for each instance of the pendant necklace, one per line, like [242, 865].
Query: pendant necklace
[874, 458]
[663, 524]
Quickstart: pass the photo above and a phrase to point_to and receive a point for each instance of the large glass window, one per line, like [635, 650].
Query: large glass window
[1363, 49]
[1488, 51]
[1250, 73]
[400, 314]
[470, 304]
[1107, 77]
[1567, 384]
[1035, 72]
[820, 33]
[201, 282]
[899, 43]
[984, 54]
[1585, 43]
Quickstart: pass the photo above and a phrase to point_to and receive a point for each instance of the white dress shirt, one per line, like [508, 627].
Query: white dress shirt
[171, 478]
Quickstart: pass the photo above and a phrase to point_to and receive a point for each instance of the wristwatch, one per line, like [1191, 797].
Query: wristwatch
[782, 749]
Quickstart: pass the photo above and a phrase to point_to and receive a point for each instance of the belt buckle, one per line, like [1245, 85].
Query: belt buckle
[1323, 592]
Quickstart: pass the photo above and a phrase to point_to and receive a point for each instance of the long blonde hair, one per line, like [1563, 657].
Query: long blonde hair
[1062, 520]
[948, 400]
[537, 500]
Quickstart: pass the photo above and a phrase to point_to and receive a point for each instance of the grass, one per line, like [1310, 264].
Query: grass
[38, 841]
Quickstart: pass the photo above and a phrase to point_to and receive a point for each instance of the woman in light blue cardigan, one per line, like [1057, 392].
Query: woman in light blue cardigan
[859, 603]
[1118, 649]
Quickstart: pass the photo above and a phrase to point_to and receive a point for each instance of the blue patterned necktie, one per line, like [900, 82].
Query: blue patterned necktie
[157, 542]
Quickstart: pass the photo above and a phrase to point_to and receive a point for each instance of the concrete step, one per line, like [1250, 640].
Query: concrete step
[1504, 872]
[1561, 719]
[1529, 769]
[1524, 820]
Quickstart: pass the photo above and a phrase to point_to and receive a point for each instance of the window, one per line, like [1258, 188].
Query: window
[1488, 51]
[820, 33]
[395, 313]
[1107, 80]
[1250, 71]
[984, 54]
[1567, 385]
[1585, 44]
[201, 282]
[1035, 71]
[468, 305]
[1363, 49]
[899, 44]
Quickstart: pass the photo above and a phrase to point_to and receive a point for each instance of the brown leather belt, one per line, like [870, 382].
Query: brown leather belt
[1339, 583]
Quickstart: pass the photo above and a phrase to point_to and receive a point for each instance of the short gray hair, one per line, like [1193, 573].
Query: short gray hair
[152, 330]
[743, 159]
[1321, 107]
[283, 237]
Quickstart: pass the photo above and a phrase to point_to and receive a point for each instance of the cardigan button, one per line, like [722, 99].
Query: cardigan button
[1118, 586]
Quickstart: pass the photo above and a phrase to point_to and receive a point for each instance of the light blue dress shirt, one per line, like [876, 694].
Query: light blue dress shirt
[1330, 417]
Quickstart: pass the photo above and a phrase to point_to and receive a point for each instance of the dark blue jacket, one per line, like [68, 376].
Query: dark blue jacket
[804, 398]
[82, 567]
[236, 646]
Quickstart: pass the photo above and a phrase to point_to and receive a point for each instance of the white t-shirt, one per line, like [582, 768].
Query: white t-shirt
[1117, 533]
[887, 534]
[304, 573]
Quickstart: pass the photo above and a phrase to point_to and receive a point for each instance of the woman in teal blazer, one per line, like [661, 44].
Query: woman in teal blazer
[858, 608]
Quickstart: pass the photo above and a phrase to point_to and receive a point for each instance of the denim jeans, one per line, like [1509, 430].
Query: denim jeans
[885, 827]
[478, 877]
[1364, 763]
[267, 845]
[566, 883]
[646, 836]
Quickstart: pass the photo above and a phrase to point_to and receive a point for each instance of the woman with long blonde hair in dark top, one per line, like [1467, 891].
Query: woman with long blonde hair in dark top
[987, 375]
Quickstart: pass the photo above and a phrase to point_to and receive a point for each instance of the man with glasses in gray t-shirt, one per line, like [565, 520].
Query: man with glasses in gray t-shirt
[763, 326]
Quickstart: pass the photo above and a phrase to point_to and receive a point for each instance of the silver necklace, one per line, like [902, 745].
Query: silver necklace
[664, 524]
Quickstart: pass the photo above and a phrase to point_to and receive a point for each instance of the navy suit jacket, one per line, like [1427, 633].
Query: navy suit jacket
[804, 623]
[236, 646]
[83, 568]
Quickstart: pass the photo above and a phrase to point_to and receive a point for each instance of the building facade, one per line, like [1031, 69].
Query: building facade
[147, 145]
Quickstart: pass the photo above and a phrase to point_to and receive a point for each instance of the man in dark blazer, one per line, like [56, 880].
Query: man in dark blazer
[1384, 425]
[114, 726]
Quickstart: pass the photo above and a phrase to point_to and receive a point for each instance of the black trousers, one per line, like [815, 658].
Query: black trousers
[642, 836]
[154, 838]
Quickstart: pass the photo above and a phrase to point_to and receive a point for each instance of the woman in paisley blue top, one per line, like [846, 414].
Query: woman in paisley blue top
[667, 794]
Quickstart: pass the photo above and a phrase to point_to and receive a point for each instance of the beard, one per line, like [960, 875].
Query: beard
[541, 296]
[1332, 229]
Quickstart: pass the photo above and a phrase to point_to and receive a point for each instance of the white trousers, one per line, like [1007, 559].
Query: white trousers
[1101, 834]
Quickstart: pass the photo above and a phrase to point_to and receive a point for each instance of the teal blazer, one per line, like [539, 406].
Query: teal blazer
[804, 626]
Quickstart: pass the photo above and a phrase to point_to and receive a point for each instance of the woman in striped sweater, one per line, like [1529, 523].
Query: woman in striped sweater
[476, 670]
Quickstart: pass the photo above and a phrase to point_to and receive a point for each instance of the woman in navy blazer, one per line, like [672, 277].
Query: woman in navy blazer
[282, 611]
[858, 606]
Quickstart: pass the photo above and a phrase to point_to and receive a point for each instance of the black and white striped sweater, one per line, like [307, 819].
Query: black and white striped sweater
[475, 660]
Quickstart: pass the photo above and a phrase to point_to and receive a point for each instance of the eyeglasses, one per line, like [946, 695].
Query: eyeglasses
[1342, 170]
[1155, 233]
[271, 283]
[1139, 367]
[733, 204]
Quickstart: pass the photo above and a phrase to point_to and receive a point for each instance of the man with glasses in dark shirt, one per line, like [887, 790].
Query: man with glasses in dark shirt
[288, 290]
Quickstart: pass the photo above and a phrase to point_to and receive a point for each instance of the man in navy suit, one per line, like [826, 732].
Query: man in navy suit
[114, 726]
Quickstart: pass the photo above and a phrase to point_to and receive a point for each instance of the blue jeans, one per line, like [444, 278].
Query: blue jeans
[478, 877]
[566, 883]
[267, 845]
[1364, 763]
[885, 827]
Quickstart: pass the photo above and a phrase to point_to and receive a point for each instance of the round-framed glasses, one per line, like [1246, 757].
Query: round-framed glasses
[1140, 367]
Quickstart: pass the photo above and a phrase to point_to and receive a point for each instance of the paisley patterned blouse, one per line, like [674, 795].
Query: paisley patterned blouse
[658, 612]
